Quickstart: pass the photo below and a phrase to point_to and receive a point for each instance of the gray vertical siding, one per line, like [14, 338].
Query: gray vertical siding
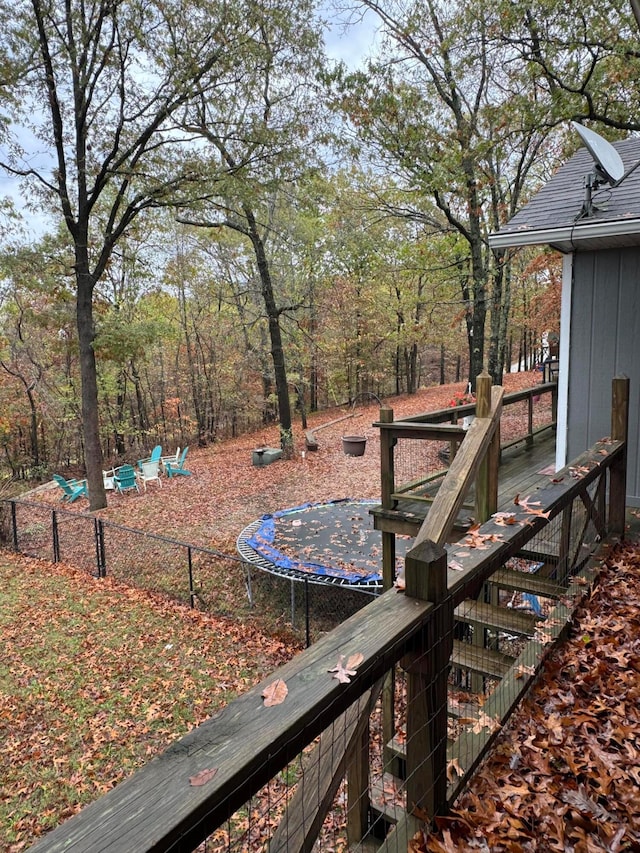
[604, 342]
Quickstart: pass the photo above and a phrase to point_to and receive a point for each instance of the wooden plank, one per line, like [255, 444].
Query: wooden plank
[525, 582]
[246, 743]
[499, 618]
[476, 566]
[323, 771]
[439, 522]
[483, 661]
[401, 834]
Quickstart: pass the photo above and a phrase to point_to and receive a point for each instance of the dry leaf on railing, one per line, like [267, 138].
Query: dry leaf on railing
[530, 507]
[275, 693]
[344, 672]
[505, 519]
[523, 670]
[202, 777]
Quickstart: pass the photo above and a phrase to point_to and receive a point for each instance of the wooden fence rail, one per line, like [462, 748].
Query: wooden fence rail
[180, 798]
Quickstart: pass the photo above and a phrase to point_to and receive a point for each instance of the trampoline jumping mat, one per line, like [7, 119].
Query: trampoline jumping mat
[334, 541]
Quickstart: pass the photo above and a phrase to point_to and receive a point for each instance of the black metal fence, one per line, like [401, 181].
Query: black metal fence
[205, 578]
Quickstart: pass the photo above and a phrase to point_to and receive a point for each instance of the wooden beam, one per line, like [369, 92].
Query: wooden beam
[323, 771]
[619, 432]
[450, 498]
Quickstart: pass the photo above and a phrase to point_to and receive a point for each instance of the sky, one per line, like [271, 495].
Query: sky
[348, 38]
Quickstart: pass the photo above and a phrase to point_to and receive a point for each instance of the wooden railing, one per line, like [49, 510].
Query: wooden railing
[443, 425]
[199, 784]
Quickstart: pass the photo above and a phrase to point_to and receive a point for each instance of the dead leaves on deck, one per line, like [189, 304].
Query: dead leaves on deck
[565, 773]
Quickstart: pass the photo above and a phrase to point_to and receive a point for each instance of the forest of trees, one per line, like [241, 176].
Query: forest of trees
[242, 230]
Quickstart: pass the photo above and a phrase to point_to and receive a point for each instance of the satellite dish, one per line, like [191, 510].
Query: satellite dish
[609, 166]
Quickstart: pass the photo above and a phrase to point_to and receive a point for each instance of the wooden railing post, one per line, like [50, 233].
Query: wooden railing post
[427, 673]
[387, 488]
[387, 444]
[487, 478]
[619, 432]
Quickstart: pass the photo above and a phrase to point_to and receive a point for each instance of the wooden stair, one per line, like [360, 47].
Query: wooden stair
[516, 581]
[498, 618]
[480, 660]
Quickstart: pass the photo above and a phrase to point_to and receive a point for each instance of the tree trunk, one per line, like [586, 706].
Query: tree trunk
[275, 336]
[88, 376]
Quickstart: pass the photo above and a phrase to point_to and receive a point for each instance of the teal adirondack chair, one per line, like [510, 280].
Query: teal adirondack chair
[156, 455]
[71, 489]
[174, 468]
[125, 479]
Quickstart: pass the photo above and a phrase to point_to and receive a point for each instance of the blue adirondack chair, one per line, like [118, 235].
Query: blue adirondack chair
[71, 489]
[156, 455]
[174, 468]
[125, 479]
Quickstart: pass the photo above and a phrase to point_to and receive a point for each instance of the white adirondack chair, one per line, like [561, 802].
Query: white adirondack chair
[149, 472]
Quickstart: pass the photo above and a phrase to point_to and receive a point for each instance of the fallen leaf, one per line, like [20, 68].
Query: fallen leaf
[343, 673]
[202, 777]
[454, 769]
[275, 693]
[523, 670]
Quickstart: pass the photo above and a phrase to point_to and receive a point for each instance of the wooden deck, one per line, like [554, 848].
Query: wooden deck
[524, 467]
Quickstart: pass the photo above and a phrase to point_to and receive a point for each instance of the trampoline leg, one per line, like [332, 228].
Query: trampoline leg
[293, 604]
[248, 584]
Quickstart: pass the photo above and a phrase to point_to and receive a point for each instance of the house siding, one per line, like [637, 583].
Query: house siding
[604, 342]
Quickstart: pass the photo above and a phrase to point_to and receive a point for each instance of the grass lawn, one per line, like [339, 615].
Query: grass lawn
[95, 678]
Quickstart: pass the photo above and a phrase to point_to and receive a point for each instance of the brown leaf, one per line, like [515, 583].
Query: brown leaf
[354, 661]
[202, 777]
[454, 769]
[275, 693]
[343, 673]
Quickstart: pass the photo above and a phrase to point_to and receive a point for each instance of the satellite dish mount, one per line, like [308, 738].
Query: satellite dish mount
[608, 166]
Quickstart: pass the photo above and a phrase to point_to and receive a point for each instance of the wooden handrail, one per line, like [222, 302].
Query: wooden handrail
[432, 426]
[448, 502]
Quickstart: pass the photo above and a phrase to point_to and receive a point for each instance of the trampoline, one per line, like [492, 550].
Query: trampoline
[331, 543]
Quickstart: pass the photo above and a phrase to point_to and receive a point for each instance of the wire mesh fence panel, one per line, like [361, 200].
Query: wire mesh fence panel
[148, 562]
[324, 799]
[76, 536]
[416, 460]
[219, 584]
[34, 530]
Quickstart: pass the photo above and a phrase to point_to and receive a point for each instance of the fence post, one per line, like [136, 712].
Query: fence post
[427, 673]
[56, 538]
[618, 476]
[14, 525]
[387, 488]
[98, 528]
[307, 626]
[192, 594]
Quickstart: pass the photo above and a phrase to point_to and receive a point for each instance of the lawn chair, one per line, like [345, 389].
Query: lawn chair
[149, 472]
[71, 489]
[125, 479]
[173, 459]
[177, 466]
[156, 455]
